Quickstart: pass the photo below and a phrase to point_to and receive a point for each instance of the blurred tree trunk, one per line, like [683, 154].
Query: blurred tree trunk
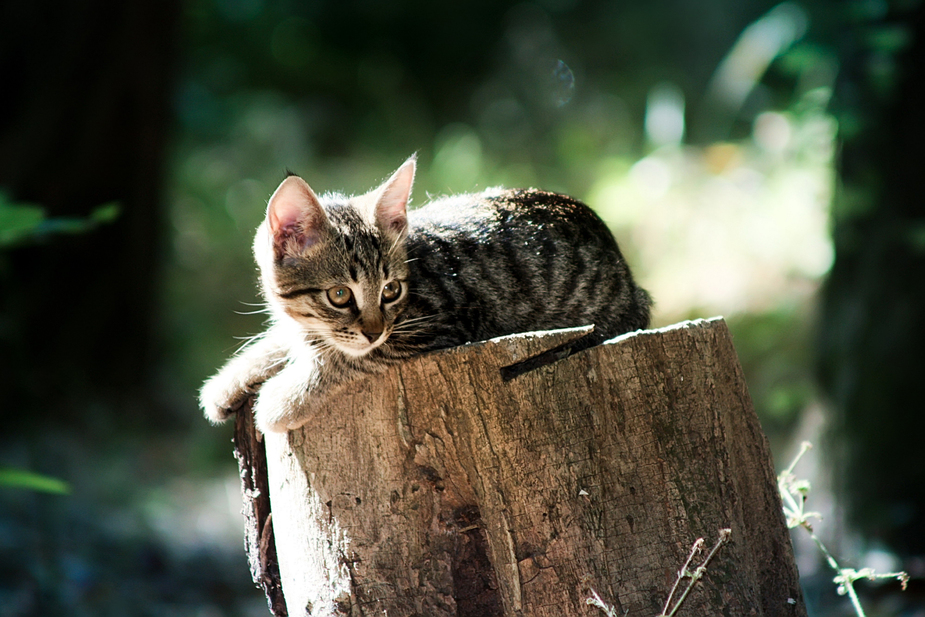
[83, 121]
[500, 479]
[873, 319]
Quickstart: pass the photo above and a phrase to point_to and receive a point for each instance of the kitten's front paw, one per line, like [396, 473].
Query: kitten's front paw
[220, 397]
[279, 406]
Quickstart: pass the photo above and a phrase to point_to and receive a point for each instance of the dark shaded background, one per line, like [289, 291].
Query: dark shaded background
[182, 112]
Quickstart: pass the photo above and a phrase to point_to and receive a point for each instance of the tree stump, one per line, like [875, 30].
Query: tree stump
[509, 477]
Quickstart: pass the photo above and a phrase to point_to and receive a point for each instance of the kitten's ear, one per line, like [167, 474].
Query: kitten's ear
[295, 217]
[392, 198]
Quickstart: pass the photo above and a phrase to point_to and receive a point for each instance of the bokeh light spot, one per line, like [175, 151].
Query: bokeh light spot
[563, 84]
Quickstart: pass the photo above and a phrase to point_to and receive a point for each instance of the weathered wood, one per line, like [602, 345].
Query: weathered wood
[442, 488]
[259, 541]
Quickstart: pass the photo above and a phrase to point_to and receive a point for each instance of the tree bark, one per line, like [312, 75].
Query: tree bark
[496, 479]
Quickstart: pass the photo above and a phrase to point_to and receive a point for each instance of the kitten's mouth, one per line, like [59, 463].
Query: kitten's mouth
[362, 346]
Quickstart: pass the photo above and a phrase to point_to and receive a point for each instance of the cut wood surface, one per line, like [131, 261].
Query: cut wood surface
[494, 479]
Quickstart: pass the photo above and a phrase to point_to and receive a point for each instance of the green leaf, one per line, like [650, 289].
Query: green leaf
[18, 221]
[21, 222]
[106, 213]
[17, 478]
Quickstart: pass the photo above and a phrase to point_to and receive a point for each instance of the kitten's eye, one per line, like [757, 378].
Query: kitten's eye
[340, 296]
[391, 291]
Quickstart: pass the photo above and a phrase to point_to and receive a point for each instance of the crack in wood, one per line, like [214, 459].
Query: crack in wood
[560, 352]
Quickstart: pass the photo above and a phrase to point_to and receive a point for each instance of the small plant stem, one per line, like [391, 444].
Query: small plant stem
[804, 448]
[681, 574]
[855, 602]
[797, 517]
[696, 575]
[596, 601]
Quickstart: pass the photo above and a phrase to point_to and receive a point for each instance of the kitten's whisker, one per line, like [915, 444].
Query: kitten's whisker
[415, 319]
[413, 330]
[395, 245]
[403, 332]
[409, 325]
[247, 341]
[323, 344]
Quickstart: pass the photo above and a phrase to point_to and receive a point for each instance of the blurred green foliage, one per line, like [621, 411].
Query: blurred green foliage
[773, 348]
[17, 478]
[24, 222]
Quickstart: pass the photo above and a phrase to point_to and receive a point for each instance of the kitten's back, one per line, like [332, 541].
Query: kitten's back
[507, 261]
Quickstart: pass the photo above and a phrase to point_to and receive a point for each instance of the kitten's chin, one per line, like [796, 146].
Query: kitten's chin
[358, 352]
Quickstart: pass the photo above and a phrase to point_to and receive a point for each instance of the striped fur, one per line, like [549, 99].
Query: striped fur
[470, 267]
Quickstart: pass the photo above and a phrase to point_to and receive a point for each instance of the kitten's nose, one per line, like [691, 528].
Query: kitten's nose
[372, 335]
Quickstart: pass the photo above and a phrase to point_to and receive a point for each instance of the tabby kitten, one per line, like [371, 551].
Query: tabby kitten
[354, 284]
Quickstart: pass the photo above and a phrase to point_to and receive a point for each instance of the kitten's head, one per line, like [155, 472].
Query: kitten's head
[336, 265]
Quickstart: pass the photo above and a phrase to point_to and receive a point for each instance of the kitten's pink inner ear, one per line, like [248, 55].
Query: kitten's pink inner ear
[391, 207]
[295, 216]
